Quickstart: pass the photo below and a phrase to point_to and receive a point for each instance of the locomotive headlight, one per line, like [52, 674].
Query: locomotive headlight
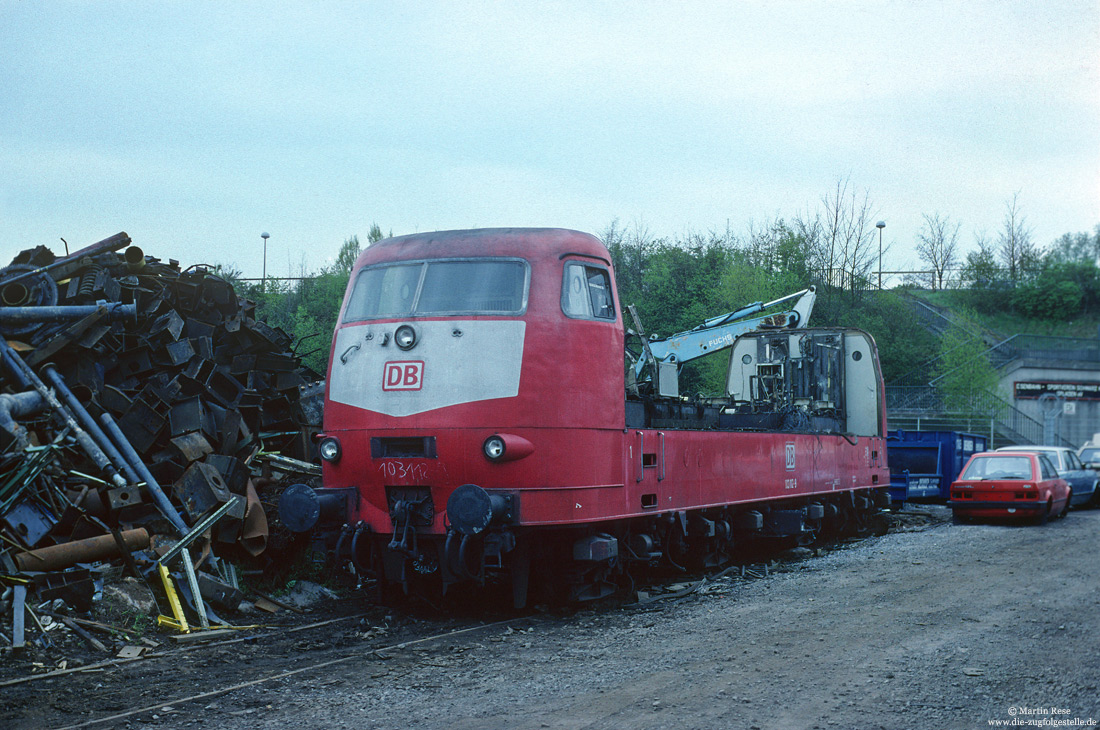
[329, 448]
[502, 447]
[493, 448]
[405, 337]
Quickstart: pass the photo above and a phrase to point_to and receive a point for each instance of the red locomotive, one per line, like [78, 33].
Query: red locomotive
[480, 423]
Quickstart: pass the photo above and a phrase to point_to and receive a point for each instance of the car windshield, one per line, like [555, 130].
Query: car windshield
[1090, 455]
[998, 467]
[483, 286]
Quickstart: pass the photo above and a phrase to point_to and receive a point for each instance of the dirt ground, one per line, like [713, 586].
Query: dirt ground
[949, 626]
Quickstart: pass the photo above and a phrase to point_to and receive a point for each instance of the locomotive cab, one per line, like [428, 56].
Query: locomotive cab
[468, 367]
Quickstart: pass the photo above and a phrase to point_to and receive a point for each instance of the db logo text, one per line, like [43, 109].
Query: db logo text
[403, 375]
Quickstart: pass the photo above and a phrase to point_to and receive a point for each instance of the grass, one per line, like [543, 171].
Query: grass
[1084, 325]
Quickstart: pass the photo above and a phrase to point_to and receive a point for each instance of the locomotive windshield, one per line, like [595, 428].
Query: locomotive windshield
[481, 286]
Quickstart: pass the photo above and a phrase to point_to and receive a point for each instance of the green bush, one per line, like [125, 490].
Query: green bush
[1047, 299]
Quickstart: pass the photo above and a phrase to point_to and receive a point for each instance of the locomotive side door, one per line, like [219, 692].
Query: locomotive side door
[648, 452]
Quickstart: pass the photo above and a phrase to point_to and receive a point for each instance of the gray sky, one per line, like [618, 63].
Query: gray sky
[196, 126]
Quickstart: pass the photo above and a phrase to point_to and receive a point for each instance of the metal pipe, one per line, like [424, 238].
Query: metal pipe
[127, 450]
[103, 547]
[24, 373]
[134, 258]
[41, 315]
[90, 425]
[114, 243]
[14, 295]
[18, 405]
[7, 356]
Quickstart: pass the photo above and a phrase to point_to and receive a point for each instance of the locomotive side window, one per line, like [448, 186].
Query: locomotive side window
[586, 292]
[479, 286]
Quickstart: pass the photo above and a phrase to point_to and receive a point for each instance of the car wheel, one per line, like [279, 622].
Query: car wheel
[957, 519]
[1065, 507]
[1044, 513]
[1095, 500]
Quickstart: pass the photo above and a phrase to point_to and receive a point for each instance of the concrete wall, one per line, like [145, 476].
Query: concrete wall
[1080, 417]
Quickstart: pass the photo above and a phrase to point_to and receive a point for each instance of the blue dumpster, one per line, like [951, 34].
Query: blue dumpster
[924, 463]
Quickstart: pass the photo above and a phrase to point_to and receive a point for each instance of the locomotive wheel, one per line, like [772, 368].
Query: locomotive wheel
[881, 524]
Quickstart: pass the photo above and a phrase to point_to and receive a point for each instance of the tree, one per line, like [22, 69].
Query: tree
[846, 237]
[317, 304]
[807, 232]
[963, 368]
[1074, 257]
[780, 250]
[937, 242]
[1017, 253]
[349, 252]
[980, 271]
[631, 253]
[1076, 248]
[375, 234]
[1049, 297]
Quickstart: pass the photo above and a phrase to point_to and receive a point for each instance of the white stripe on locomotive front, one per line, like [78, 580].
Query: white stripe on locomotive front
[464, 361]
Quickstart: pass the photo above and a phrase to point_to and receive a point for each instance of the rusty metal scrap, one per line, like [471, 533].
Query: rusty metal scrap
[89, 550]
[135, 397]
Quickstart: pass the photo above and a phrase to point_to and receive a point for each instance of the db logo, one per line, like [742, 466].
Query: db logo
[403, 375]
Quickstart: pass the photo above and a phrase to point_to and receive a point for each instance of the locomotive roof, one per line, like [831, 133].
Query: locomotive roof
[484, 241]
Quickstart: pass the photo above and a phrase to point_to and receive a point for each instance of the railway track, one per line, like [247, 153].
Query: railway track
[174, 679]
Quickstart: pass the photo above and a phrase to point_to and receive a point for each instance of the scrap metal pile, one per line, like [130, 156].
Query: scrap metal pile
[137, 403]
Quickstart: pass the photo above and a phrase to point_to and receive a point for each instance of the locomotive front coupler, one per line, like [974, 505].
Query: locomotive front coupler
[478, 531]
[304, 509]
[472, 509]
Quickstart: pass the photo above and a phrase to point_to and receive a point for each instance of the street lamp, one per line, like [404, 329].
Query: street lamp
[265, 235]
[880, 225]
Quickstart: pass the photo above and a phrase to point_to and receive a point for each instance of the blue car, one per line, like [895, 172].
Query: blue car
[1082, 480]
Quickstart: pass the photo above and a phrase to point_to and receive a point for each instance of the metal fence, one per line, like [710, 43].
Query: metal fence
[977, 411]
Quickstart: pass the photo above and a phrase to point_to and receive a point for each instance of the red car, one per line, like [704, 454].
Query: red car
[1010, 484]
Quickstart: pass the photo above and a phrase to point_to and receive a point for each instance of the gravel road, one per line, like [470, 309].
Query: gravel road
[954, 626]
[945, 626]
